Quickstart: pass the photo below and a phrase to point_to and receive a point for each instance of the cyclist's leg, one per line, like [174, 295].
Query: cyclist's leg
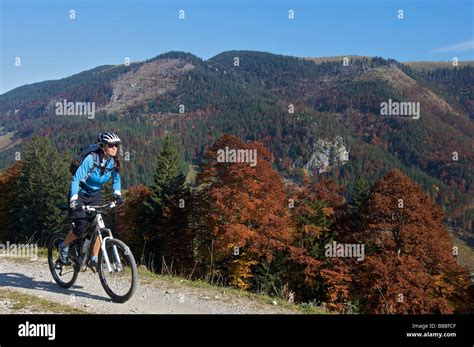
[74, 217]
[93, 261]
[78, 223]
[70, 236]
[79, 220]
[96, 249]
[95, 199]
[64, 247]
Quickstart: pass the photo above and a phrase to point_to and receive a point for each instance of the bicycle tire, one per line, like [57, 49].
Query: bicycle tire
[52, 263]
[131, 260]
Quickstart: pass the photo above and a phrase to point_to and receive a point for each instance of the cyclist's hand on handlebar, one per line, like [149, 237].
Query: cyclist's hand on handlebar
[76, 204]
[118, 199]
[73, 204]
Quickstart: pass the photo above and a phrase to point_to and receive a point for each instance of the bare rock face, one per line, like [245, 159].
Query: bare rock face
[146, 83]
[325, 155]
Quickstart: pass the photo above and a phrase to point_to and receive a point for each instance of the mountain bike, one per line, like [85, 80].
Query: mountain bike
[116, 265]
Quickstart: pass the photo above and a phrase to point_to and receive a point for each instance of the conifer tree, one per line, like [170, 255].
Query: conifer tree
[41, 187]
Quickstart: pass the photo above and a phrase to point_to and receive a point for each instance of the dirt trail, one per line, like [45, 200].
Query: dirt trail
[152, 295]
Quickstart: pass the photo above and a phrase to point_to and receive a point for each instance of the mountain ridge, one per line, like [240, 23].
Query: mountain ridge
[286, 102]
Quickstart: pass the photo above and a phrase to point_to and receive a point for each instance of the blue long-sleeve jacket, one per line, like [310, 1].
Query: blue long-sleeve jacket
[94, 181]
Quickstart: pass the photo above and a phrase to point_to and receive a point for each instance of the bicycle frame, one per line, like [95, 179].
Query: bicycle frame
[97, 227]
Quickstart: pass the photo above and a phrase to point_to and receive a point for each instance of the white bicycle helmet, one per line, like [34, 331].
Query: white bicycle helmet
[108, 138]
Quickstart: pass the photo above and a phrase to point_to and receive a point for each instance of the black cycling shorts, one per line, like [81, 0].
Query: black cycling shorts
[80, 219]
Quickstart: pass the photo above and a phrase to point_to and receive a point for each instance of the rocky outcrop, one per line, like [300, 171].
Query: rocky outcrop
[325, 154]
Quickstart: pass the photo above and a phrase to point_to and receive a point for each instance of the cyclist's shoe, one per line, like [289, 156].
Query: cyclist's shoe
[63, 258]
[93, 263]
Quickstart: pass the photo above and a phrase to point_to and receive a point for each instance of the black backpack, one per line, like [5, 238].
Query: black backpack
[79, 158]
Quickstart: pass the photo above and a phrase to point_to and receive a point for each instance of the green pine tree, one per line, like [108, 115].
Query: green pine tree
[42, 186]
[358, 200]
[160, 207]
[168, 179]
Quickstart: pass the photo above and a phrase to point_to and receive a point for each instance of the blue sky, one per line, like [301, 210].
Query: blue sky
[52, 46]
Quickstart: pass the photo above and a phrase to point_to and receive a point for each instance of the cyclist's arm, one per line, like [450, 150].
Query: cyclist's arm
[81, 173]
[117, 182]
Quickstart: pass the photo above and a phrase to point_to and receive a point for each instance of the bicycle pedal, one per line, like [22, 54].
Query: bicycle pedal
[59, 264]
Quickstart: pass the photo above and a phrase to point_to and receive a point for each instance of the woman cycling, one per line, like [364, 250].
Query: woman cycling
[91, 175]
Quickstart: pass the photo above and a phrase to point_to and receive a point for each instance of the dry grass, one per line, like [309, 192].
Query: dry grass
[336, 58]
[433, 65]
[30, 303]
[7, 141]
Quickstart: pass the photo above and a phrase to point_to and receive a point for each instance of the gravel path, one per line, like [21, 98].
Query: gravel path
[152, 295]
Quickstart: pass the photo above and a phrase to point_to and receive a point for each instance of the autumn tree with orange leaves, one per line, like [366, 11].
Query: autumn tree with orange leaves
[129, 221]
[409, 265]
[241, 215]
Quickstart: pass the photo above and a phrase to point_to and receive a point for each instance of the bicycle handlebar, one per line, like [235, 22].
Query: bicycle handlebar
[90, 208]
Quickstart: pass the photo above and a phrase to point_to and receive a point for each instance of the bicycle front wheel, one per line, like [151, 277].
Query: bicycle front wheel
[120, 280]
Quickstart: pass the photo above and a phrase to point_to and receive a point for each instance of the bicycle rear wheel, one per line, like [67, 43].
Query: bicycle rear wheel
[64, 275]
[120, 281]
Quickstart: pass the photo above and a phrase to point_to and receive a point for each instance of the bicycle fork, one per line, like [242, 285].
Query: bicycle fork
[117, 263]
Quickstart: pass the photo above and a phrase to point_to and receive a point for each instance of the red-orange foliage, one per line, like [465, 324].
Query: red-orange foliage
[410, 267]
[130, 219]
[241, 206]
[171, 239]
[7, 195]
